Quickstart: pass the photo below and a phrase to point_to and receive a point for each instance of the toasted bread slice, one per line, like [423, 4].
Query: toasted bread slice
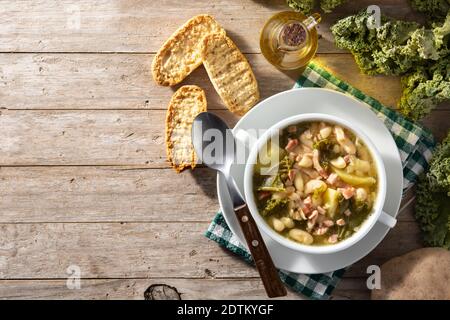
[182, 52]
[230, 73]
[186, 103]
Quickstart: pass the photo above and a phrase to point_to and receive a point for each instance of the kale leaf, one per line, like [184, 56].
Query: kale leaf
[425, 88]
[396, 47]
[435, 9]
[329, 5]
[306, 6]
[439, 173]
[433, 198]
[420, 55]
[273, 206]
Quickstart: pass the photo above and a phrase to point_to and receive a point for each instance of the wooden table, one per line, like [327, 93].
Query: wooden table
[84, 180]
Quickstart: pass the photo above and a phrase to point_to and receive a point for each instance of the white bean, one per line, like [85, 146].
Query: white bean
[339, 163]
[325, 132]
[298, 182]
[301, 236]
[306, 138]
[345, 142]
[361, 194]
[288, 222]
[277, 225]
[315, 184]
[305, 162]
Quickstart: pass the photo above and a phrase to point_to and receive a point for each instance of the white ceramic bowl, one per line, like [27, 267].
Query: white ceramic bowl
[377, 213]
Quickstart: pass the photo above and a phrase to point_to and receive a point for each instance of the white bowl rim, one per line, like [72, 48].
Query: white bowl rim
[325, 249]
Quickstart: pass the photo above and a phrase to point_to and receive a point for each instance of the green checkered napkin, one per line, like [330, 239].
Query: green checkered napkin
[414, 143]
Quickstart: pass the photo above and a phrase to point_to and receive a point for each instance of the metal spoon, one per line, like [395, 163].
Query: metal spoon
[207, 126]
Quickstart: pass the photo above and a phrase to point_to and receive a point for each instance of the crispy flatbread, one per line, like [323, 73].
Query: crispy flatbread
[186, 103]
[182, 52]
[230, 73]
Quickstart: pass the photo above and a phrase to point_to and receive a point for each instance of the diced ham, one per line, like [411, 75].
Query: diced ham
[306, 209]
[347, 159]
[313, 215]
[292, 129]
[320, 231]
[347, 192]
[292, 143]
[263, 194]
[340, 222]
[321, 210]
[307, 205]
[307, 201]
[333, 238]
[332, 179]
[328, 223]
[291, 174]
[347, 212]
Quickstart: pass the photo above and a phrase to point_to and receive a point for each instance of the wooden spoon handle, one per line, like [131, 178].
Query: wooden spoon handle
[267, 271]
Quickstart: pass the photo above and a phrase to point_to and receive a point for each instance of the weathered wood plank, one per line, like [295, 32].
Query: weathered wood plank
[87, 194]
[142, 26]
[84, 138]
[135, 288]
[143, 250]
[109, 194]
[98, 81]
[100, 137]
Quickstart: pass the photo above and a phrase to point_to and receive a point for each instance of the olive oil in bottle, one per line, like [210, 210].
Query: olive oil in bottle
[289, 39]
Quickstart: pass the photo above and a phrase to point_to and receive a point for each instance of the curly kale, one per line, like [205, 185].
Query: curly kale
[433, 198]
[420, 55]
[329, 5]
[425, 88]
[396, 47]
[435, 9]
[439, 173]
[274, 206]
[306, 6]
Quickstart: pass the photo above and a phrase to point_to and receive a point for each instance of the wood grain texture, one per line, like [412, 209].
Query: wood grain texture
[100, 137]
[109, 194]
[94, 194]
[144, 25]
[74, 99]
[124, 81]
[84, 138]
[142, 250]
[113, 289]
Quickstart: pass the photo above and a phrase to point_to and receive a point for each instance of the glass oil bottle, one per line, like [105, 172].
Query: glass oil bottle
[289, 39]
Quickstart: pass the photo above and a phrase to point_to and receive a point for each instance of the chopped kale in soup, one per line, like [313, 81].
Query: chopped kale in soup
[321, 186]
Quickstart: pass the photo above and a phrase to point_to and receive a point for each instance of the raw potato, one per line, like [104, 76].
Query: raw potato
[182, 52]
[230, 73]
[186, 103]
[420, 274]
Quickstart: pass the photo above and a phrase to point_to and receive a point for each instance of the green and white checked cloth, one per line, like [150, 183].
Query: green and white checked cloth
[414, 143]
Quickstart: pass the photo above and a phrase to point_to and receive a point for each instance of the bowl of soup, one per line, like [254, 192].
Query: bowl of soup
[316, 183]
